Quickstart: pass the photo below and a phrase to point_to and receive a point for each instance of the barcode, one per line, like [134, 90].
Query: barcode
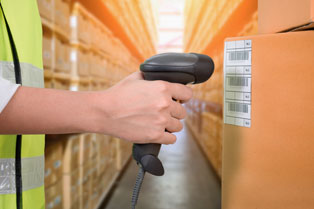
[238, 107]
[239, 55]
[238, 81]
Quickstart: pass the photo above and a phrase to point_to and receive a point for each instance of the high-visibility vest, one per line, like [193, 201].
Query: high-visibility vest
[26, 192]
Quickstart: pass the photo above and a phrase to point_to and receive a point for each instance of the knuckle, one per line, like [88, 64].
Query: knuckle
[163, 103]
[162, 120]
[155, 136]
[163, 86]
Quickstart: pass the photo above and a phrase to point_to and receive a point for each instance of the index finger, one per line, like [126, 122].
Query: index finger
[180, 92]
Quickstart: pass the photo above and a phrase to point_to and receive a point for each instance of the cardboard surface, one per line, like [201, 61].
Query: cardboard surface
[271, 164]
[280, 15]
[53, 163]
[53, 196]
[45, 8]
[71, 154]
[71, 183]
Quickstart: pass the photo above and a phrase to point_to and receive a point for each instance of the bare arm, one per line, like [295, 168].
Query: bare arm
[48, 111]
[134, 109]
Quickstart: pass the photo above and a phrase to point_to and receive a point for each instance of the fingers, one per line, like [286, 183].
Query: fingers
[167, 138]
[174, 125]
[180, 92]
[177, 110]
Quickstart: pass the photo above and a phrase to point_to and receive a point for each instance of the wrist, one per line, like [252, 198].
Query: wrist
[98, 110]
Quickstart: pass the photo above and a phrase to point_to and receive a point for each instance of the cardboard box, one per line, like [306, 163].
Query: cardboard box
[59, 56]
[85, 148]
[62, 56]
[94, 192]
[86, 183]
[71, 154]
[53, 196]
[62, 15]
[45, 8]
[53, 163]
[83, 63]
[81, 26]
[94, 146]
[80, 62]
[88, 148]
[102, 153]
[71, 184]
[97, 66]
[47, 51]
[281, 15]
[270, 164]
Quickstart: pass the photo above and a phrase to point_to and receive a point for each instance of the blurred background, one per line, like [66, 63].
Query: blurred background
[89, 45]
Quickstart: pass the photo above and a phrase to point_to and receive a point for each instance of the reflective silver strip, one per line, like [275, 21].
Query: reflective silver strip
[32, 174]
[31, 76]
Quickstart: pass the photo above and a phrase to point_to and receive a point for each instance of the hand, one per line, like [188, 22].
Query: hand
[140, 111]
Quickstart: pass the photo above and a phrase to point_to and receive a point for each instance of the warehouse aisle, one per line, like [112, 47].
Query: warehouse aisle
[189, 182]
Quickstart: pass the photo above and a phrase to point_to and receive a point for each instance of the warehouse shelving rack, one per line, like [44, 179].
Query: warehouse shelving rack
[112, 53]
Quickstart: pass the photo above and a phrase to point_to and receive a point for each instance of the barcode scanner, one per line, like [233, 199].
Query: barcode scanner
[183, 68]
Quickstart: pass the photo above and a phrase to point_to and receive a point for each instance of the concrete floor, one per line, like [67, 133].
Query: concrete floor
[189, 182]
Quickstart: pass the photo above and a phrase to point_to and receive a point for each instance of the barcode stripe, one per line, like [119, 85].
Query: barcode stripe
[239, 55]
[238, 107]
[238, 81]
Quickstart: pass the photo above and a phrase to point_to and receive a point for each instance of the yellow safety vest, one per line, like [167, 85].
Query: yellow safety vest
[26, 191]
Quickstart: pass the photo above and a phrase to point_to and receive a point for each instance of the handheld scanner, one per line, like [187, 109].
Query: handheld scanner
[184, 68]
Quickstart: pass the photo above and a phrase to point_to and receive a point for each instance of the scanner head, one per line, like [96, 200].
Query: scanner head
[181, 68]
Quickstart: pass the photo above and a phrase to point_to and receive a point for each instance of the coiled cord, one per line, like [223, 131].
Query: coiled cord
[137, 186]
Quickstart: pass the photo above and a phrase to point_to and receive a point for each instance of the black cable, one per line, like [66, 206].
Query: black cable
[137, 186]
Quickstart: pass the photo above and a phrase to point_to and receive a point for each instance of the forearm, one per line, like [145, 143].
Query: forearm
[133, 109]
[49, 111]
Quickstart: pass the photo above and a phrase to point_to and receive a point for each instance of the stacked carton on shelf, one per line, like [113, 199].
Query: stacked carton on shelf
[71, 183]
[53, 196]
[46, 8]
[136, 18]
[62, 14]
[53, 175]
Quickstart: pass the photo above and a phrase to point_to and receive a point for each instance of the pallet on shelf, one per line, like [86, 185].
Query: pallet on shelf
[61, 81]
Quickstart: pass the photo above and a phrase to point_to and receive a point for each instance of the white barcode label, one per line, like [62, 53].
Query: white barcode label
[237, 83]
[238, 107]
[238, 55]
